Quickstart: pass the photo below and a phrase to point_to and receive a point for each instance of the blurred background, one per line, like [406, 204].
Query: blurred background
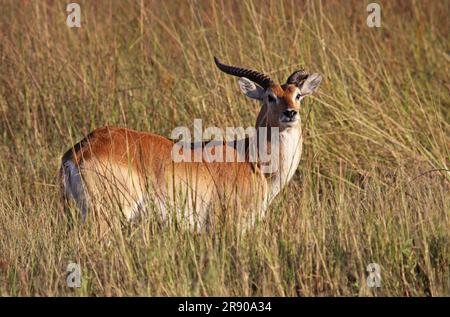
[373, 184]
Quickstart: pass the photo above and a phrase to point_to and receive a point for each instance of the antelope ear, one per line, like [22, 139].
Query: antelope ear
[311, 83]
[250, 89]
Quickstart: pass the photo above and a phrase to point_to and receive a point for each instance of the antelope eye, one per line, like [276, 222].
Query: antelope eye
[298, 97]
[271, 98]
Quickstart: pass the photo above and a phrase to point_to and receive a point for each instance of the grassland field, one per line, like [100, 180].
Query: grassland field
[372, 186]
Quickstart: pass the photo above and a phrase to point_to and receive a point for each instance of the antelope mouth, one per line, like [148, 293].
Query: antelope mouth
[289, 122]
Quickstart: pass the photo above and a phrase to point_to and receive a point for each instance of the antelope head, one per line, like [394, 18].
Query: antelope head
[280, 103]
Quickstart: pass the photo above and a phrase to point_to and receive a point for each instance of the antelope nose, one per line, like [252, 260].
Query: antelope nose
[290, 113]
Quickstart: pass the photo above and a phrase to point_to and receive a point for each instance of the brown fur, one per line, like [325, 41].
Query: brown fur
[284, 93]
[139, 163]
[132, 170]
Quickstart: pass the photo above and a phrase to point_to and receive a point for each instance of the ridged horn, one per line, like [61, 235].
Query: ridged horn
[258, 78]
[297, 77]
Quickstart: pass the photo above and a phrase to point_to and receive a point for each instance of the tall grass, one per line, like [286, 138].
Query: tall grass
[372, 186]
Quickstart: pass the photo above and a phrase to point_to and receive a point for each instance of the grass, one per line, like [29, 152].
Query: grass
[372, 186]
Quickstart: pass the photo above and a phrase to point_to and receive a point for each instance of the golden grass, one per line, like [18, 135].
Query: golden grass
[373, 183]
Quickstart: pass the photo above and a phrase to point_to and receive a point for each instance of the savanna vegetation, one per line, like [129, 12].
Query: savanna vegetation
[372, 186]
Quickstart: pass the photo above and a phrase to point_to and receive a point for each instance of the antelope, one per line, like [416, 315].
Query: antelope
[132, 169]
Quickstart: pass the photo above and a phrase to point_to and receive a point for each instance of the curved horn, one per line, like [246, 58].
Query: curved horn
[259, 78]
[297, 77]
